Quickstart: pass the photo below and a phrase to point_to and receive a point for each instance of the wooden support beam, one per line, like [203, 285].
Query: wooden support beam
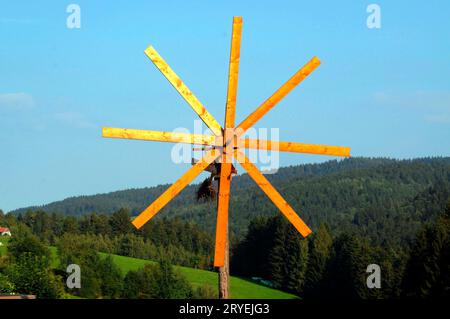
[226, 165]
[273, 194]
[175, 188]
[284, 90]
[184, 91]
[222, 215]
[295, 147]
[174, 137]
[233, 72]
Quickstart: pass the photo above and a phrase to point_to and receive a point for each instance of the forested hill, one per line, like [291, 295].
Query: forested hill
[136, 199]
[371, 196]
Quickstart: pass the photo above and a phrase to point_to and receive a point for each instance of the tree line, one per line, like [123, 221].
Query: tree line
[179, 242]
[29, 268]
[349, 195]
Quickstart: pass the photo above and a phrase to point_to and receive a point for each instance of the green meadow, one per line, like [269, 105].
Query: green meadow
[240, 288]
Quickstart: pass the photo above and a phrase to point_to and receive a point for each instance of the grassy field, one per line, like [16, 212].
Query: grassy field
[240, 288]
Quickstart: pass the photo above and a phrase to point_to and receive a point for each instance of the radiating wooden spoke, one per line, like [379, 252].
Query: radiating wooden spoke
[184, 91]
[278, 95]
[273, 194]
[174, 137]
[226, 166]
[233, 72]
[175, 188]
[295, 147]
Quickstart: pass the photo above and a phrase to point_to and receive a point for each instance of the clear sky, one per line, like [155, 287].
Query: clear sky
[384, 92]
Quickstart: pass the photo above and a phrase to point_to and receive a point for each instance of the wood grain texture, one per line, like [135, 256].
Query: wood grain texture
[279, 95]
[226, 166]
[233, 72]
[222, 215]
[296, 147]
[273, 194]
[175, 189]
[174, 137]
[184, 91]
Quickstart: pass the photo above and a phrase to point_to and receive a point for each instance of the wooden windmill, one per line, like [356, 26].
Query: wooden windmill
[225, 144]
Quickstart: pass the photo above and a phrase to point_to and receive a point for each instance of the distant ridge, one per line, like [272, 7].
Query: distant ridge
[135, 199]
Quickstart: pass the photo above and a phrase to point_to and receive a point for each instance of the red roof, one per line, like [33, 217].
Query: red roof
[3, 229]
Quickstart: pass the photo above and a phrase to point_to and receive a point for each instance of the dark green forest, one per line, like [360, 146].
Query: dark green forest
[381, 199]
[393, 213]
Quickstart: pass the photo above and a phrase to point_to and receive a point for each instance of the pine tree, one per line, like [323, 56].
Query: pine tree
[251, 256]
[277, 256]
[288, 258]
[120, 222]
[346, 272]
[296, 262]
[427, 271]
[319, 255]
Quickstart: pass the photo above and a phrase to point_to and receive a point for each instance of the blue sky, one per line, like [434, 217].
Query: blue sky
[384, 92]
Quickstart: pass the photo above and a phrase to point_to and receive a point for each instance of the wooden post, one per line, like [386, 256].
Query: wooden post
[224, 271]
[222, 255]
[224, 274]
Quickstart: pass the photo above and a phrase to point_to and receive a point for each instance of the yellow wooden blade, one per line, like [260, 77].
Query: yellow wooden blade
[296, 147]
[273, 194]
[233, 72]
[184, 91]
[175, 188]
[278, 95]
[174, 137]
[226, 166]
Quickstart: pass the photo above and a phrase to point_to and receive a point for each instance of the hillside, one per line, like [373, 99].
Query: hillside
[354, 194]
[138, 198]
[240, 288]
